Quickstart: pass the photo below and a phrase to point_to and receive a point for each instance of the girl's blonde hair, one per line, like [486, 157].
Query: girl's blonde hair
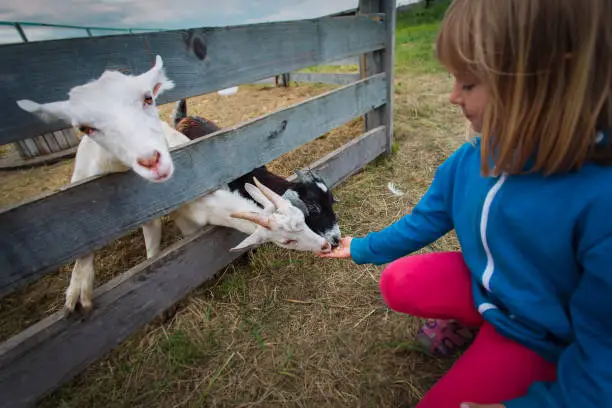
[547, 69]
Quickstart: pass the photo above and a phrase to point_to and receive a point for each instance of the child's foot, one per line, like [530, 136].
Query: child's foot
[444, 337]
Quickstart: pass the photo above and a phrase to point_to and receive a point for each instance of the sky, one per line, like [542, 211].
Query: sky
[156, 14]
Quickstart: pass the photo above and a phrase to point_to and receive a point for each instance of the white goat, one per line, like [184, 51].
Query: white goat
[123, 131]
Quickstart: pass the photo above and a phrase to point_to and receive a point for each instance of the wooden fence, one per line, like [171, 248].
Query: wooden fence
[337, 78]
[40, 235]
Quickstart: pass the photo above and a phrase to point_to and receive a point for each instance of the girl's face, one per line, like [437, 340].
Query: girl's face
[471, 97]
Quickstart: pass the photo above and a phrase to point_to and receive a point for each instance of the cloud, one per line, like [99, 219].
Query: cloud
[9, 35]
[120, 13]
[301, 9]
[156, 14]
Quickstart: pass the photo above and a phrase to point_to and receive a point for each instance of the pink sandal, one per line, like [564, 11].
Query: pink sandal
[444, 337]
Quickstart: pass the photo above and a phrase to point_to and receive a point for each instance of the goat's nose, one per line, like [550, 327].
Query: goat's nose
[326, 246]
[149, 162]
[335, 242]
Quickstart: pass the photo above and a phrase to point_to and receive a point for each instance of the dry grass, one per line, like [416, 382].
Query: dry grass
[5, 149]
[282, 328]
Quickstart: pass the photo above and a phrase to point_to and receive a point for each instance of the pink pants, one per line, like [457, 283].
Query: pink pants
[493, 369]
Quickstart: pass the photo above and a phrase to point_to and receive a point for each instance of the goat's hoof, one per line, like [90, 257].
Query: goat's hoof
[85, 308]
[68, 311]
[70, 306]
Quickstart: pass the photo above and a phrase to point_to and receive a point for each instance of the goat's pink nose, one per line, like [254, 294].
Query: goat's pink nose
[149, 162]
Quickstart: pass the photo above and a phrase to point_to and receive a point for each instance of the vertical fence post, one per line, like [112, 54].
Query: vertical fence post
[21, 32]
[381, 61]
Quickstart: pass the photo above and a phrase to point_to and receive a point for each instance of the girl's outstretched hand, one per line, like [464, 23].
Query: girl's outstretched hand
[342, 251]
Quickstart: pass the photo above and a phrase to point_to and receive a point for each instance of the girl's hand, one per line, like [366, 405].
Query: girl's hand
[472, 405]
[342, 251]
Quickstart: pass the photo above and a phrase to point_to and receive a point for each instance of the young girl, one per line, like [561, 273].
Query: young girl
[531, 202]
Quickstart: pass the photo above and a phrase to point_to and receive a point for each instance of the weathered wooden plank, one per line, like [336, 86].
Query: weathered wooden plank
[348, 159]
[61, 139]
[15, 163]
[323, 77]
[45, 233]
[71, 136]
[316, 77]
[65, 347]
[198, 60]
[23, 149]
[381, 61]
[37, 145]
[370, 64]
[41, 143]
[390, 9]
[52, 142]
[265, 81]
[344, 61]
[68, 137]
[32, 148]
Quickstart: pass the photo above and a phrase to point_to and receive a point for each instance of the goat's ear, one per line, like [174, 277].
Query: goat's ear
[301, 176]
[294, 198]
[316, 176]
[156, 78]
[47, 111]
[250, 242]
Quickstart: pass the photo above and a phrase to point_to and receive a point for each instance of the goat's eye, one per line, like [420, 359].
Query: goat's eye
[148, 100]
[88, 130]
[289, 242]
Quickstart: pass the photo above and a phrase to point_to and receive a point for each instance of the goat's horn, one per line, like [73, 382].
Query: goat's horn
[253, 217]
[278, 201]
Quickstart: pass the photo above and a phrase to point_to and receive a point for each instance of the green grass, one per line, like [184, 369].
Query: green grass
[414, 51]
[418, 14]
[415, 34]
[332, 69]
[233, 288]
[182, 350]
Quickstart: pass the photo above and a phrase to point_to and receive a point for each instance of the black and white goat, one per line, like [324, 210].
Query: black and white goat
[123, 131]
[308, 192]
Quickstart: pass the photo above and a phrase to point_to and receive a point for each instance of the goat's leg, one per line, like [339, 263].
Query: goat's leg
[80, 289]
[152, 232]
[185, 221]
[185, 225]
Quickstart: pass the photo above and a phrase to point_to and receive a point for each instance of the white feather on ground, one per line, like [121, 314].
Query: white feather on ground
[394, 190]
[228, 91]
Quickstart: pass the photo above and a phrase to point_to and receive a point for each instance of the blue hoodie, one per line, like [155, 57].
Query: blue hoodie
[540, 255]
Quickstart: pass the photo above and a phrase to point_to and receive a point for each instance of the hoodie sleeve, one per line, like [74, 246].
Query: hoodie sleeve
[584, 370]
[430, 219]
